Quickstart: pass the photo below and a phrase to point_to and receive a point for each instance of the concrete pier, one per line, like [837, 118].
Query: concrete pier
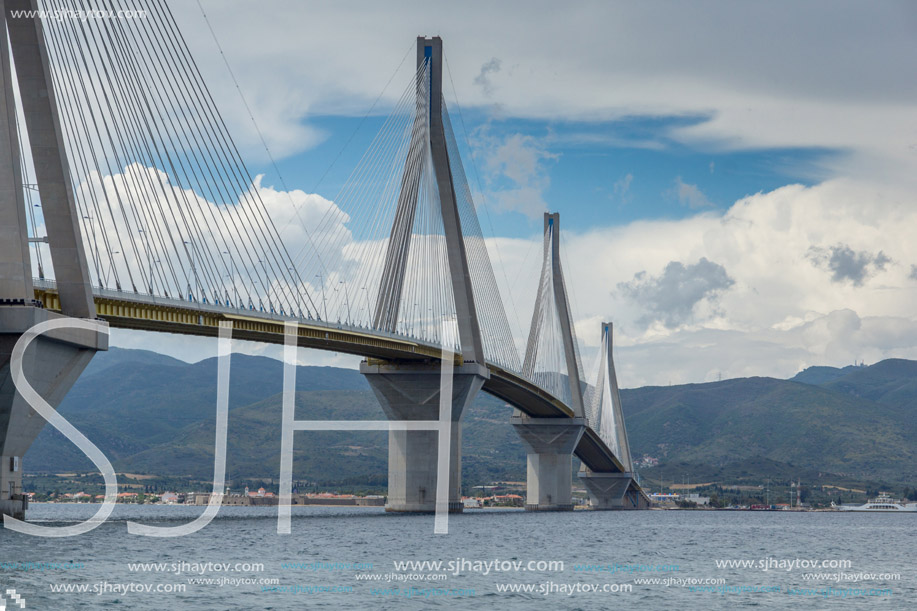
[51, 364]
[412, 392]
[609, 491]
[549, 443]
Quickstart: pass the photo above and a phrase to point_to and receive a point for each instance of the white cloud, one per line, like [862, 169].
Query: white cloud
[837, 338]
[781, 314]
[517, 173]
[179, 240]
[598, 61]
[690, 195]
[748, 67]
[622, 187]
[730, 294]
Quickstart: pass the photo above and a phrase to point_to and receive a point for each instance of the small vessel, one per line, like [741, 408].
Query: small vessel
[883, 503]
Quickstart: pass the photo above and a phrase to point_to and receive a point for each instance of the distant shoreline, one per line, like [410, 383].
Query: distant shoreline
[193, 505]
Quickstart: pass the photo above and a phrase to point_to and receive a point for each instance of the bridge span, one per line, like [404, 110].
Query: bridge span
[142, 230]
[144, 313]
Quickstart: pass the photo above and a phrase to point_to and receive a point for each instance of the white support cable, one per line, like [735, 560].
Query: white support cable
[129, 95]
[286, 189]
[515, 352]
[497, 337]
[155, 115]
[367, 213]
[66, 104]
[347, 194]
[143, 152]
[228, 157]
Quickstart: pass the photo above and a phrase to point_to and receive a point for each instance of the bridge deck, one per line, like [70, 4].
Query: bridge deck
[147, 313]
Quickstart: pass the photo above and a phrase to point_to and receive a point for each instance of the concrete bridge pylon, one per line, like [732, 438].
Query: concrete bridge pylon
[53, 362]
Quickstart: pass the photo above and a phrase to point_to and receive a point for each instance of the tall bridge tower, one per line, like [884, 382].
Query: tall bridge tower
[550, 442]
[412, 391]
[611, 490]
[53, 362]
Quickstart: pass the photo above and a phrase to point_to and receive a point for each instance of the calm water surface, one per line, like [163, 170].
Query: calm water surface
[345, 557]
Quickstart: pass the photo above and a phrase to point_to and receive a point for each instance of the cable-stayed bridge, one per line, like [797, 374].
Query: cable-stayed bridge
[124, 199]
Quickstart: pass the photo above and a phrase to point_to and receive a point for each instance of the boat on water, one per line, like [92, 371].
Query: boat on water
[884, 503]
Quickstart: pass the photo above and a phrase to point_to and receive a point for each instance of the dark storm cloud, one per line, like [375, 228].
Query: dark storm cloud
[671, 296]
[848, 265]
[483, 78]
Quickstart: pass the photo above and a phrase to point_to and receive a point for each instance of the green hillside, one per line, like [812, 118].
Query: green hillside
[802, 425]
[152, 414]
[158, 417]
[892, 382]
[822, 375]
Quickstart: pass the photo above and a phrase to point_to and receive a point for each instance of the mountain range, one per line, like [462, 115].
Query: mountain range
[154, 414]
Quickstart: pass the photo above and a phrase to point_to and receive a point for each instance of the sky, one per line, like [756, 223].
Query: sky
[736, 181]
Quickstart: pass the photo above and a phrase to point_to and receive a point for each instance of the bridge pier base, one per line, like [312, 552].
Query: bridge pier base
[608, 491]
[412, 392]
[51, 364]
[549, 443]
